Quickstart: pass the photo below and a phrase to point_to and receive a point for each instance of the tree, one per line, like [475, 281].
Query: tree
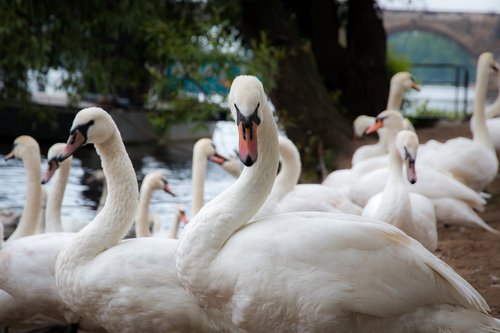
[318, 66]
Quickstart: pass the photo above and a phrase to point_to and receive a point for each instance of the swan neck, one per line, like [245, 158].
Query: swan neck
[175, 228]
[33, 207]
[198, 181]
[480, 131]
[395, 97]
[113, 222]
[395, 168]
[141, 222]
[55, 198]
[209, 230]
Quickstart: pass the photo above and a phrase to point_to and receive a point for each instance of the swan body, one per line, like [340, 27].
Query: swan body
[124, 286]
[411, 212]
[27, 264]
[287, 196]
[311, 271]
[473, 162]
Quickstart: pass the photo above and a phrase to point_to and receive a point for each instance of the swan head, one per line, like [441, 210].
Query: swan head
[91, 125]
[361, 124]
[181, 213]
[387, 119]
[156, 181]
[403, 81]
[246, 100]
[52, 161]
[23, 146]
[407, 145]
[487, 60]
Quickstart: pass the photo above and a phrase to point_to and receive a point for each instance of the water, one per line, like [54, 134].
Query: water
[81, 199]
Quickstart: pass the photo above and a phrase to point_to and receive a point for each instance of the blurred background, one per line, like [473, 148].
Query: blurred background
[163, 70]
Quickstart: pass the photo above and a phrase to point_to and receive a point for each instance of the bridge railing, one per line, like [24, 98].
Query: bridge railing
[457, 103]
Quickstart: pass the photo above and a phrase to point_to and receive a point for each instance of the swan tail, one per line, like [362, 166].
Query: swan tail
[458, 288]
[464, 320]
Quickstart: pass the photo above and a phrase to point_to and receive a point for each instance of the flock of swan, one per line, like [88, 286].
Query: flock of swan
[353, 254]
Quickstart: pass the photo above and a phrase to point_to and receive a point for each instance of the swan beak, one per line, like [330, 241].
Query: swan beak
[411, 174]
[183, 217]
[379, 123]
[415, 86]
[10, 156]
[167, 189]
[248, 143]
[75, 141]
[216, 158]
[495, 67]
[53, 165]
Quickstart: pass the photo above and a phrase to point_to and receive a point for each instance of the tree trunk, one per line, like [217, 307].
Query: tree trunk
[303, 103]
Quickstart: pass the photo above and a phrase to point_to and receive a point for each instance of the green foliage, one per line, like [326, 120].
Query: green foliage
[397, 62]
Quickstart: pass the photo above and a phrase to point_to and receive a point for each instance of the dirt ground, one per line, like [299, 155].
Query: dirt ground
[474, 253]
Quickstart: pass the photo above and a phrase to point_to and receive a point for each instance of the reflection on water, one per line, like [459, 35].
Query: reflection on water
[80, 199]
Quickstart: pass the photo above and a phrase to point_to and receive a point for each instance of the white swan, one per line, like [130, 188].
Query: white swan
[307, 271]
[288, 196]
[411, 212]
[432, 183]
[473, 162]
[204, 149]
[27, 149]
[400, 82]
[153, 181]
[98, 176]
[130, 285]
[27, 265]
[53, 222]
[173, 231]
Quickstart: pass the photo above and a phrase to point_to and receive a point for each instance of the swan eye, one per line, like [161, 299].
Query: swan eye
[409, 157]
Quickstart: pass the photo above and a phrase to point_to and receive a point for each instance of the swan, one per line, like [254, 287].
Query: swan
[53, 221]
[473, 162]
[204, 149]
[180, 216]
[288, 196]
[400, 82]
[152, 181]
[411, 212]
[492, 112]
[129, 285]
[432, 183]
[27, 264]
[27, 149]
[311, 271]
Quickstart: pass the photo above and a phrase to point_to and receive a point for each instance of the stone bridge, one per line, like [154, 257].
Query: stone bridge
[475, 32]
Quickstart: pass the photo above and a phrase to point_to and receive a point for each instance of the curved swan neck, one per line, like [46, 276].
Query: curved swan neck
[33, 207]
[395, 99]
[198, 181]
[175, 227]
[116, 217]
[55, 198]
[141, 222]
[480, 131]
[227, 212]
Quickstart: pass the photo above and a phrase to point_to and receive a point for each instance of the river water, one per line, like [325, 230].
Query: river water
[81, 199]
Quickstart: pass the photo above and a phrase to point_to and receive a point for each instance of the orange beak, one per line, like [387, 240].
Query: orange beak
[379, 123]
[167, 189]
[411, 173]
[248, 143]
[51, 169]
[183, 218]
[75, 141]
[415, 86]
[10, 156]
[216, 158]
